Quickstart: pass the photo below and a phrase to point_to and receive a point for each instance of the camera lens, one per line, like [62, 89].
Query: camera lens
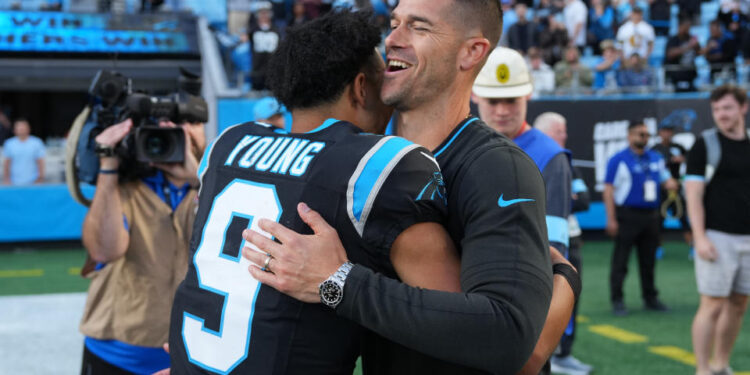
[157, 144]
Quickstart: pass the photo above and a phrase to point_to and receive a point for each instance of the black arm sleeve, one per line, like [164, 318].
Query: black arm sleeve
[558, 178]
[506, 275]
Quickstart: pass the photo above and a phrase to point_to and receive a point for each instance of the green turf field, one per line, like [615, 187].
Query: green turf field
[641, 343]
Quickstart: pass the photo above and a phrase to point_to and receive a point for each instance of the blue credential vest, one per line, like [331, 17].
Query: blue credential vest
[540, 147]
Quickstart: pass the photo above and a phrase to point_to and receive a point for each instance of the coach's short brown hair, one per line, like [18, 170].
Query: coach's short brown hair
[739, 94]
[488, 13]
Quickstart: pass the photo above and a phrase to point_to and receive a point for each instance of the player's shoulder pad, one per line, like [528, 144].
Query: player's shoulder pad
[373, 170]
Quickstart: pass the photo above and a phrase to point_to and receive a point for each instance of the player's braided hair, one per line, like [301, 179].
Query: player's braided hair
[318, 59]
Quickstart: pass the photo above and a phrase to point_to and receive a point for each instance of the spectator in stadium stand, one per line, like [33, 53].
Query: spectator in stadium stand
[720, 50]
[661, 12]
[264, 38]
[555, 126]
[553, 39]
[298, 15]
[523, 34]
[270, 111]
[636, 36]
[278, 7]
[571, 73]
[151, 6]
[690, 9]
[624, 9]
[605, 70]
[732, 18]
[601, 24]
[575, 15]
[679, 57]
[542, 74]
[718, 195]
[24, 156]
[631, 199]
[312, 8]
[635, 75]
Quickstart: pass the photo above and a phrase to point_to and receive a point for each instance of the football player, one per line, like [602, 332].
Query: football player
[496, 213]
[384, 195]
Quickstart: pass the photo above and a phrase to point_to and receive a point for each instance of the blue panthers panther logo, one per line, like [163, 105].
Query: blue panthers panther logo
[435, 187]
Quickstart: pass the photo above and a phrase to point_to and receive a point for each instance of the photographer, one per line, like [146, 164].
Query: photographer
[137, 232]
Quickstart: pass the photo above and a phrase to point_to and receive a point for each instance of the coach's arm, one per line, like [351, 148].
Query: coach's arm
[104, 234]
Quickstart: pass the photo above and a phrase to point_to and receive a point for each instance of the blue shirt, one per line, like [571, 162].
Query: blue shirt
[23, 157]
[629, 173]
[139, 359]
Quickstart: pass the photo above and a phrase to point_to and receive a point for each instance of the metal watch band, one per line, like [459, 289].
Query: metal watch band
[332, 289]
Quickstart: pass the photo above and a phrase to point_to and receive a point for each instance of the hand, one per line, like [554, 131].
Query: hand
[188, 169]
[677, 159]
[612, 228]
[705, 249]
[300, 262]
[166, 371]
[671, 185]
[558, 258]
[112, 135]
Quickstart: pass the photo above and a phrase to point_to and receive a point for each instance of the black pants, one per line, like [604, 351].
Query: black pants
[93, 365]
[640, 228]
[574, 256]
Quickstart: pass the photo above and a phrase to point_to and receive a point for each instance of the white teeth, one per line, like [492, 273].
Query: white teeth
[398, 64]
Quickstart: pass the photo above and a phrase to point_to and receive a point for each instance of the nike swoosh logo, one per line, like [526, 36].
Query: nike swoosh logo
[503, 203]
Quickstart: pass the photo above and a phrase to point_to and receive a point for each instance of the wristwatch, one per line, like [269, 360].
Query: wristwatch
[332, 289]
[104, 151]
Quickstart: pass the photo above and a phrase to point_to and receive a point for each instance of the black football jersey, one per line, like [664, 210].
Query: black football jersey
[496, 213]
[369, 187]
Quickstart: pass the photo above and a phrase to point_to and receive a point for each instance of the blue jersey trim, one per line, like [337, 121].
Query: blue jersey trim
[454, 137]
[557, 230]
[136, 359]
[325, 125]
[373, 172]
[694, 177]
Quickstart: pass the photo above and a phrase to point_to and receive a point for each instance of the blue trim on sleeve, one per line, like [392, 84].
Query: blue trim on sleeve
[136, 359]
[125, 223]
[372, 172]
[557, 230]
[454, 137]
[695, 177]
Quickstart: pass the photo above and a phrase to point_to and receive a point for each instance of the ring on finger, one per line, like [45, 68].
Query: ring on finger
[267, 263]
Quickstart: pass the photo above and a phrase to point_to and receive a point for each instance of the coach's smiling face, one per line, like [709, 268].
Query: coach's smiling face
[421, 52]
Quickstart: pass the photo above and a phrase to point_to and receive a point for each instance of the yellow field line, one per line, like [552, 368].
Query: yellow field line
[582, 319]
[618, 334]
[75, 271]
[674, 353]
[9, 274]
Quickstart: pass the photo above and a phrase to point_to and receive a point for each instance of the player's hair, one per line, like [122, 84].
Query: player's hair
[318, 59]
[488, 13]
[546, 119]
[739, 94]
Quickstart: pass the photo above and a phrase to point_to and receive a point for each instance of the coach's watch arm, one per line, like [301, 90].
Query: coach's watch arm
[104, 234]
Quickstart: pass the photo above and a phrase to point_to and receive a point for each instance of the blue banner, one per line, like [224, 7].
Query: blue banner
[97, 33]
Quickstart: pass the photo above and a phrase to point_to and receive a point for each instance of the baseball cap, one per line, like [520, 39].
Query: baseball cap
[267, 108]
[505, 75]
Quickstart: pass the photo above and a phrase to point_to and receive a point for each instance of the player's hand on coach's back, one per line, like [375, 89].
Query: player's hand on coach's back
[300, 262]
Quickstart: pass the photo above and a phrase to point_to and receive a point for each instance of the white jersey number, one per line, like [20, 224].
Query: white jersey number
[228, 276]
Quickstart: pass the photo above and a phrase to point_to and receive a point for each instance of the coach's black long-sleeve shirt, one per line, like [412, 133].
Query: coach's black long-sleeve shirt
[496, 209]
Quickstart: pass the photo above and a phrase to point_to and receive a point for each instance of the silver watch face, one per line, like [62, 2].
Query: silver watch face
[331, 293]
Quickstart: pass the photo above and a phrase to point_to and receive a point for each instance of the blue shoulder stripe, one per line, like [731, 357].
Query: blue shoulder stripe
[454, 137]
[372, 171]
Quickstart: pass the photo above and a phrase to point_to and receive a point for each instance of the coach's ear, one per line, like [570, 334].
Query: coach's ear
[358, 92]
